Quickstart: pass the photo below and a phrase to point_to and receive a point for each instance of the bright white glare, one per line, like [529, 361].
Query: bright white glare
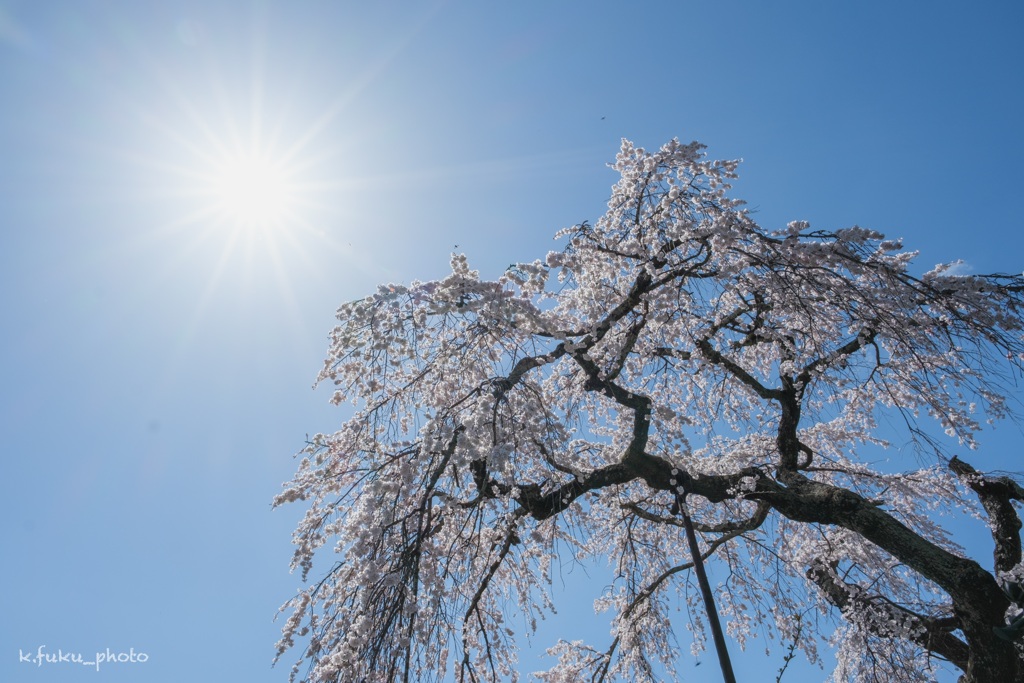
[254, 191]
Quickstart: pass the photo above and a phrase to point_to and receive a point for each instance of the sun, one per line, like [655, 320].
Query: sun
[254, 190]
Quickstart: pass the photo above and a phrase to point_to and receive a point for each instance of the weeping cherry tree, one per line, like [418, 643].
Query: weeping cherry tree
[673, 347]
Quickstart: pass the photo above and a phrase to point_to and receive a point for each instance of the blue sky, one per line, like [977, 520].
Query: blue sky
[156, 360]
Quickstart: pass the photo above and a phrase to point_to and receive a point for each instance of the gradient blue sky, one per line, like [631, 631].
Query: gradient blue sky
[155, 363]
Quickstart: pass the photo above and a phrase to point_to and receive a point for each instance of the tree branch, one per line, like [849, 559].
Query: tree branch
[886, 619]
[996, 494]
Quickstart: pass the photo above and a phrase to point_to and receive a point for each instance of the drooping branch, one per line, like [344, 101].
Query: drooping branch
[977, 600]
[729, 529]
[886, 619]
[473, 609]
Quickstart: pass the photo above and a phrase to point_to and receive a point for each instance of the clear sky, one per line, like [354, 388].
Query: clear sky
[156, 356]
